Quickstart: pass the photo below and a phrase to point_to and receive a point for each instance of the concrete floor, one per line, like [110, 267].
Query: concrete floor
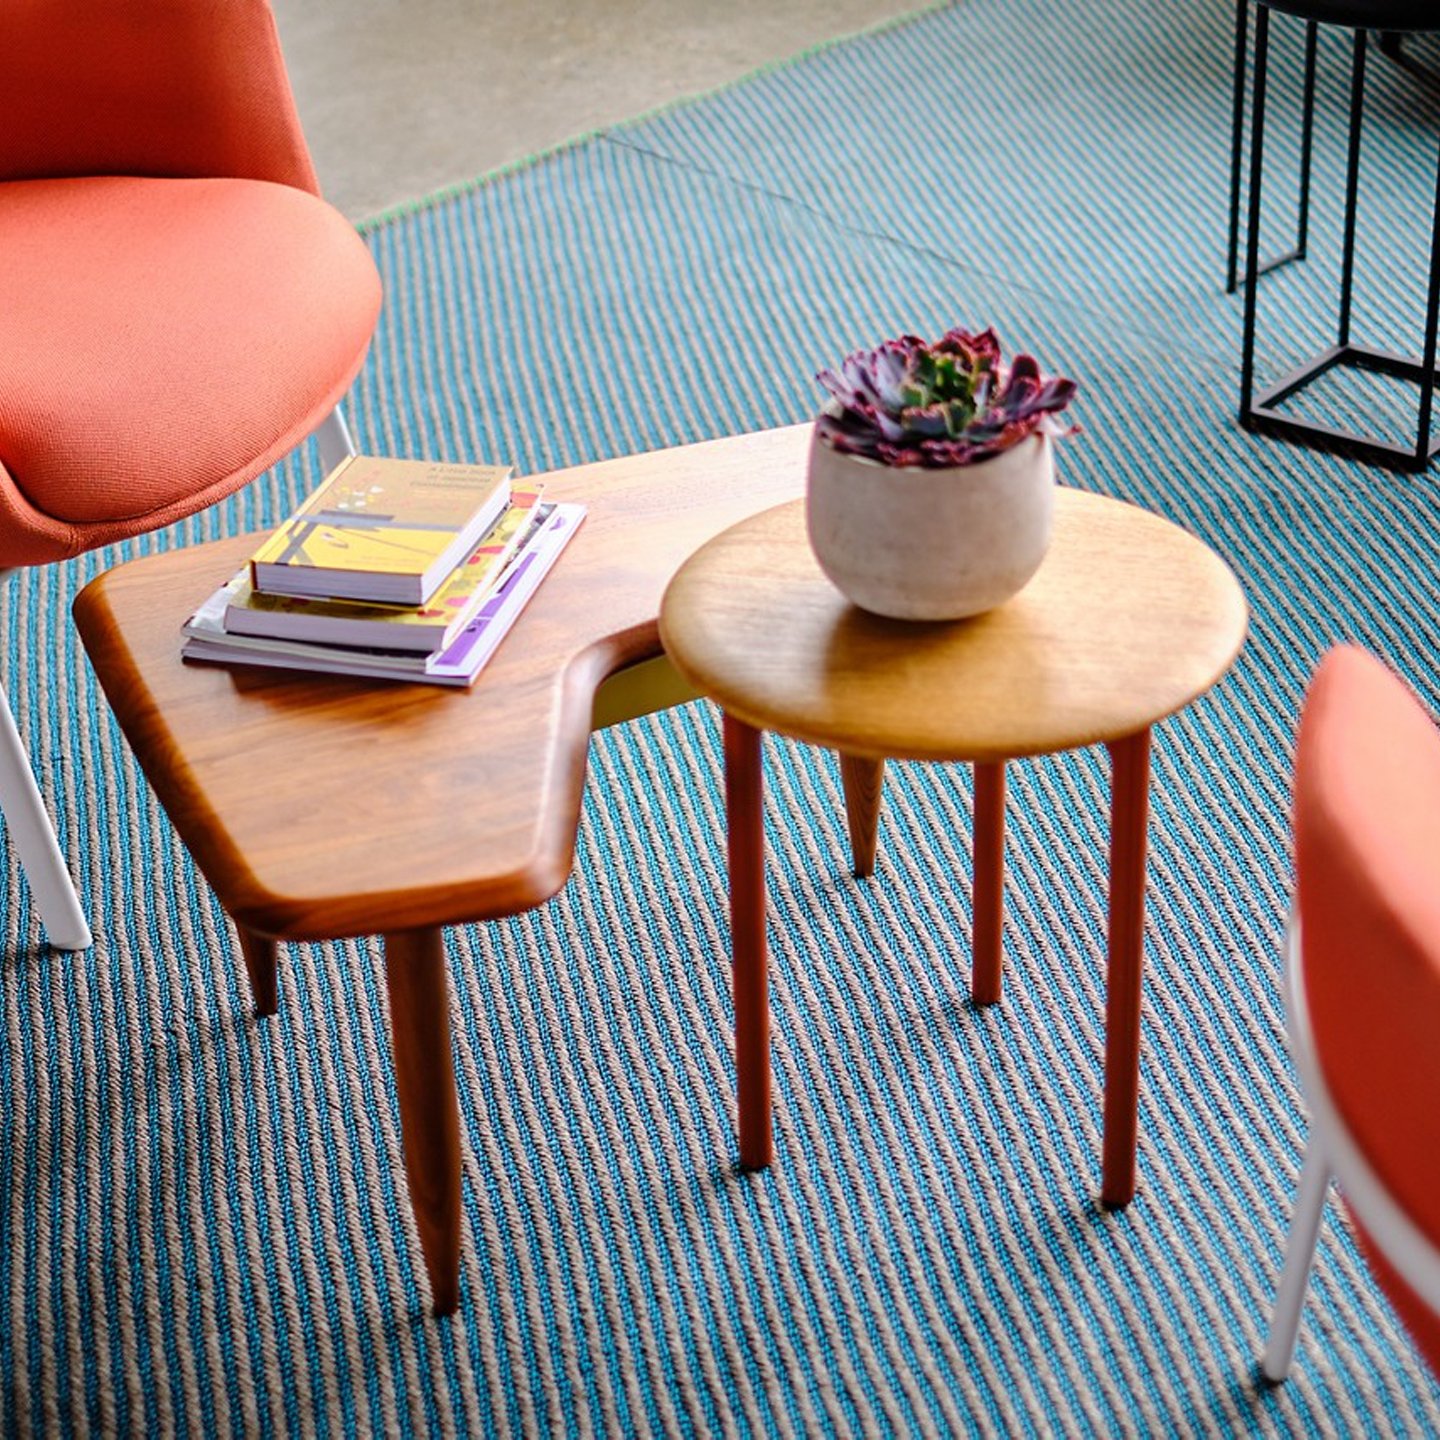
[400, 98]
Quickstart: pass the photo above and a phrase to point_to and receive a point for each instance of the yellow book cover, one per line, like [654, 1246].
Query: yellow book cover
[382, 530]
[418, 628]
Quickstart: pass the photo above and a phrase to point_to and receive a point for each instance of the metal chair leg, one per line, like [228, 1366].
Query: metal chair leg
[334, 440]
[34, 839]
[1299, 1256]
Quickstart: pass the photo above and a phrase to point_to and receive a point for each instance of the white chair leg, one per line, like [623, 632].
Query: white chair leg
[334, 440]
[34, 840]
[1299, 1255]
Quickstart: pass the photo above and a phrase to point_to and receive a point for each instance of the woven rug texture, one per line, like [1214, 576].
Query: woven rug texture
[204, 1229]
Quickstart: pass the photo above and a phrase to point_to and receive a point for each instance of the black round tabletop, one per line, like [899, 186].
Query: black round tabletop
[1409, 15]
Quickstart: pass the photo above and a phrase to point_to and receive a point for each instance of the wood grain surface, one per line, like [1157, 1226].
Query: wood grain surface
[321, 807]
[1128, 620]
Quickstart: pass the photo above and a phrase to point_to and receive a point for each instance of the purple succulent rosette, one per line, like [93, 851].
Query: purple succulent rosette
[908, 402]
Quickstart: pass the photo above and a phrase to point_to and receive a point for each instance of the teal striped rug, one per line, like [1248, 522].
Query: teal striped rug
[201, 1210]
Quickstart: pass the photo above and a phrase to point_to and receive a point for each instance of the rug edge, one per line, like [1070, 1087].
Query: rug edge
[459, 188]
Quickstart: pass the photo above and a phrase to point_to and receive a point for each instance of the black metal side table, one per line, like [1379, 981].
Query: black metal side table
[1261, 412]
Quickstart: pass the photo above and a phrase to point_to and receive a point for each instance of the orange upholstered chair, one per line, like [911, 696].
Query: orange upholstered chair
[1364, 987]
[178, 307]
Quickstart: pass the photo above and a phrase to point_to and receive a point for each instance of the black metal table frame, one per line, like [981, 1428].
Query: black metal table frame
[1261, 413]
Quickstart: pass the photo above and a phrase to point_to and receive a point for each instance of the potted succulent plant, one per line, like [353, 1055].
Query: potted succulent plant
[931, 479]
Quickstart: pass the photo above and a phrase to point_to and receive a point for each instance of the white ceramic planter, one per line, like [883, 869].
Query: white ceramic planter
[919, 544]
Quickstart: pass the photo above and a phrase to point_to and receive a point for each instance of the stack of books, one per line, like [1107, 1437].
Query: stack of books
[392, 569]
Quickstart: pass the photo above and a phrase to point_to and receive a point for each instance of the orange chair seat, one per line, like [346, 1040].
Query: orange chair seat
[1367, 855]
[142, 372]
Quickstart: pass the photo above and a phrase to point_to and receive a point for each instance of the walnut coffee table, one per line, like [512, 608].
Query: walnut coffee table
[1128, 620]
[321, 808]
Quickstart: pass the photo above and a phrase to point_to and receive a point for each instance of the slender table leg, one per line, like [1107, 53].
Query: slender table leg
[429, 1110]
[744, 809]
[988, 957]
[864, 782]
[1129, 811]
[259, 956]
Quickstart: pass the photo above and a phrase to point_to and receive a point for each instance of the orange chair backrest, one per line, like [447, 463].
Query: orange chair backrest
[146, 87]
[1367, 860]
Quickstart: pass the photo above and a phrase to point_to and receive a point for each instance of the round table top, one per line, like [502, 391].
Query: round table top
[1410, 15]
[1128, 620]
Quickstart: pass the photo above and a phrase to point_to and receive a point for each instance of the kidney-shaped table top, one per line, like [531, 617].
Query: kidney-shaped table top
[320, 807]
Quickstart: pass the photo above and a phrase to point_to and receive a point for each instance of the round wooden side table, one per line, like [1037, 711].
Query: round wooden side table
[1128, 620]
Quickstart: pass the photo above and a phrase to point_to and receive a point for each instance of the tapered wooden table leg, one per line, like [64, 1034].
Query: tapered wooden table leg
[744, 809]
[429, 1111]
[864, 782]
[1129, 813]
[987, 934]
[259, 956]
